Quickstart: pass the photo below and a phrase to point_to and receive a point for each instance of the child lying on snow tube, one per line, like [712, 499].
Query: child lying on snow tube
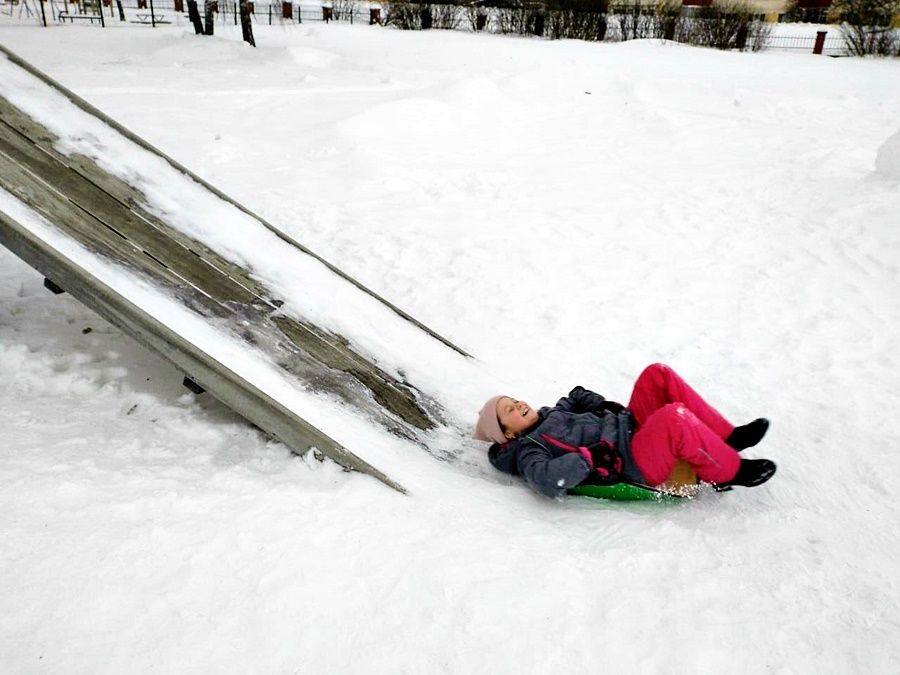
[586, 440]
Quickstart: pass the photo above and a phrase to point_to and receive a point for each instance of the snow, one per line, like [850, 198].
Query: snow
[887, 161]
[567, 212]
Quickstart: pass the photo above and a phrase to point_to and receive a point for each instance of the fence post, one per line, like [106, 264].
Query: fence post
[820, 41]
[740, 40]
[538, 26]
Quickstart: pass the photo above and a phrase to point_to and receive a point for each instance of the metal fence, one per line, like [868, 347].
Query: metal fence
[834, 44]
[281, 12]
[174, 11]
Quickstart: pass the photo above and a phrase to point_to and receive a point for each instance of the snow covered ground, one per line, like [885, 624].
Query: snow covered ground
[567, 212]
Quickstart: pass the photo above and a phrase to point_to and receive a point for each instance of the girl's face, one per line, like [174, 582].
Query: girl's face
[515, 416]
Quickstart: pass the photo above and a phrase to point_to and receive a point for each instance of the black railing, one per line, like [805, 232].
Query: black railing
[164, 11]
[833, 44]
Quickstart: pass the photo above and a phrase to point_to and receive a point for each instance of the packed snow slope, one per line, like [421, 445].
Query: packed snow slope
[567, 212]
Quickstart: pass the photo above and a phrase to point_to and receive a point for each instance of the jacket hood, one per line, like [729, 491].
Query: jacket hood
[503, 456]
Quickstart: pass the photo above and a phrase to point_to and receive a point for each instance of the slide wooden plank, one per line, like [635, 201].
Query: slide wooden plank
[120, 191]
[122, 220]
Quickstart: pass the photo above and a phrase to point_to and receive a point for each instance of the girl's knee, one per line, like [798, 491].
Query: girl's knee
[677, 411]
[655, 371]
[678, 418]
[648, 376]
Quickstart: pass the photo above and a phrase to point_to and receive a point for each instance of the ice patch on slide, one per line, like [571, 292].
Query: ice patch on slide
[887, 161]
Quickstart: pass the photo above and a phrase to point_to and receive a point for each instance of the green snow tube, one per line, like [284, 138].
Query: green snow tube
[625, 492]
[681, 484]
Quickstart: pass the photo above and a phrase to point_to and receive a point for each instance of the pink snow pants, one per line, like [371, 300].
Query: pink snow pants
[674, 422]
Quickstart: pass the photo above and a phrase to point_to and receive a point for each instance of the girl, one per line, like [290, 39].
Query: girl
[586, 439]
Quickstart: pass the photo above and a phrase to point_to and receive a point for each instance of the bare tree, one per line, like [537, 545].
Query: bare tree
[210, 9]
[194, 16]
[246, 24]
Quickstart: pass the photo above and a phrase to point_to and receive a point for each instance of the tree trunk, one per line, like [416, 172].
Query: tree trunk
[121, 10]
[210, 7]
[246, 26]
[194, 16]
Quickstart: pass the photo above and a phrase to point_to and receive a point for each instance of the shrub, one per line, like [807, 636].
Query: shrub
[635, 20]
[867, 26]
[727, 25]
[577, 19]
[669, 20]
[477, 16]
[446, 16]
[410, 15]
[403, 14]
[512, 17]
[343, 9]
[760, 31]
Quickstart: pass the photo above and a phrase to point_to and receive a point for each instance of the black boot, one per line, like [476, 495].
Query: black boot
[748, 435]
[752, 472]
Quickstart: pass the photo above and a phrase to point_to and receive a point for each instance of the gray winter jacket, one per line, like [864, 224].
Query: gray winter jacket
[561, 450]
